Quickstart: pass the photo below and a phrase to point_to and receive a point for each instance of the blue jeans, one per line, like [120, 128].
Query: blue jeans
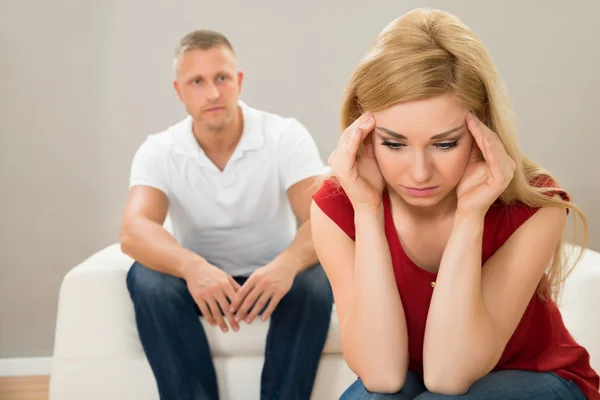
[178, 351]
[498, 385]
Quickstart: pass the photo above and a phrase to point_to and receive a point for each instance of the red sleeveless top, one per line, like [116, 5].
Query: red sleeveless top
[541, 342]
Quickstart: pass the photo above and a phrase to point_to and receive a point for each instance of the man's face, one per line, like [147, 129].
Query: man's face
[209, 85]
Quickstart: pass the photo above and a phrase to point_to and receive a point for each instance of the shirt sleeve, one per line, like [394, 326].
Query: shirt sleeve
[299, 156]
[515, 215]
[148, 167]
[334, 203]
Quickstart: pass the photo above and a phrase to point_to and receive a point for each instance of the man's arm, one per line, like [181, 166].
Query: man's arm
[301, 253]
[143, 237]
[145, 240]
[300, 167]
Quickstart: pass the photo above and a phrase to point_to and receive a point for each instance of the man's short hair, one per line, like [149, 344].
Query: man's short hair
[203, 40]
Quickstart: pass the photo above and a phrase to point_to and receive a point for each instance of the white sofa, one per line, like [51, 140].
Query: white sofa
[98, 355]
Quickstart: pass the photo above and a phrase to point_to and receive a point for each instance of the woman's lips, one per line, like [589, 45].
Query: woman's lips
[420, 192]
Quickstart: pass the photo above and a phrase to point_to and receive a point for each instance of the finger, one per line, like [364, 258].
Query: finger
[477, 127]
[236, 286]
[357, 122]
[350, 149]
[476, 154]
[272, 306]
[248, 303]
[490, 145]
[231, 289]
[230, 292]
[360, 132]
[474, 126]
[503, 163]
[258, 306]
[338, 157]
[216, 312]
[368, 146]
[205, 312]
[242, 293]
[350, 135]
[500, 163]
[481, 134]
[222, 300]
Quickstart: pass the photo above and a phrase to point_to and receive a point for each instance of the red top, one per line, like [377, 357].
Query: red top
[541, 342]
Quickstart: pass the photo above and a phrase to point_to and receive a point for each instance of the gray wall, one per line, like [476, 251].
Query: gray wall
[82, 84]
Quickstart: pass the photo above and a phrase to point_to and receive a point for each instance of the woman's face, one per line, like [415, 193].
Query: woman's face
[423, 148]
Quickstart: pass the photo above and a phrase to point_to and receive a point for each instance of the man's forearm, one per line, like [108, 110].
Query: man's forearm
[301, 253]
[151, 245]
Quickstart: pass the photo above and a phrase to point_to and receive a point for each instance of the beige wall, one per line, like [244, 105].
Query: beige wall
[81, 86]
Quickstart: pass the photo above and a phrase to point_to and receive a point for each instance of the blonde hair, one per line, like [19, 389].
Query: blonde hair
[427, 53]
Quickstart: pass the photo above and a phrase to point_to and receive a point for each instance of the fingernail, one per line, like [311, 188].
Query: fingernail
[237, 318]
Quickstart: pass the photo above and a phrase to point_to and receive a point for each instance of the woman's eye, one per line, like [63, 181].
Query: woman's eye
[447, 145]
[393, 145]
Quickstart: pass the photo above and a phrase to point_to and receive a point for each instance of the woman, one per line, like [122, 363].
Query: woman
[436, 232]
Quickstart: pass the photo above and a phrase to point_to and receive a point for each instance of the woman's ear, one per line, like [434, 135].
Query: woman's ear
[484, 113]
[361, 109]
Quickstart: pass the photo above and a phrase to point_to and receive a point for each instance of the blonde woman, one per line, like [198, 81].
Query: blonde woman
[439, 236]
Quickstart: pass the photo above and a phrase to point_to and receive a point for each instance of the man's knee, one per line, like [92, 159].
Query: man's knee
[312, 286]
[146, 285]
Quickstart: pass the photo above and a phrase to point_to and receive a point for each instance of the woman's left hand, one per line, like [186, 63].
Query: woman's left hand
[484, 180]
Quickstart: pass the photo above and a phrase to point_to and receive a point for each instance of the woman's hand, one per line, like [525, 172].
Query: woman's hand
[360, 177]
[484, 180]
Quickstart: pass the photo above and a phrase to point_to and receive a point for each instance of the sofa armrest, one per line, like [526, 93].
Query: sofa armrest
[579, 304]
[95, 314]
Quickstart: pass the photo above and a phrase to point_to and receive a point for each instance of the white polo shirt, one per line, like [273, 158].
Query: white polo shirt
[240, 218]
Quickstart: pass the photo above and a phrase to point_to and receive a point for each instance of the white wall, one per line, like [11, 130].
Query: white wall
[82, 84]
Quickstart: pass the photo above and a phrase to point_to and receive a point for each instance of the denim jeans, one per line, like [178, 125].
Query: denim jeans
[178, 351]
[498, 385]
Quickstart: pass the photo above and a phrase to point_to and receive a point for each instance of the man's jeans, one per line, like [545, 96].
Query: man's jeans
[177, 348]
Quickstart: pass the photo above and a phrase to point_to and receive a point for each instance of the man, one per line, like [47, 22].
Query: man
[237, 183]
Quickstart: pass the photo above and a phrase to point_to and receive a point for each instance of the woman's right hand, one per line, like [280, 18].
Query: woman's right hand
[359, 177]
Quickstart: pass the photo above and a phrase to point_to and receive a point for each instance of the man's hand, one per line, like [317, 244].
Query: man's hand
[211, 288]
[268, 283]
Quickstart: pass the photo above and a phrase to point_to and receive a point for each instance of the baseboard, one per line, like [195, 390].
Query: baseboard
[29, 366]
